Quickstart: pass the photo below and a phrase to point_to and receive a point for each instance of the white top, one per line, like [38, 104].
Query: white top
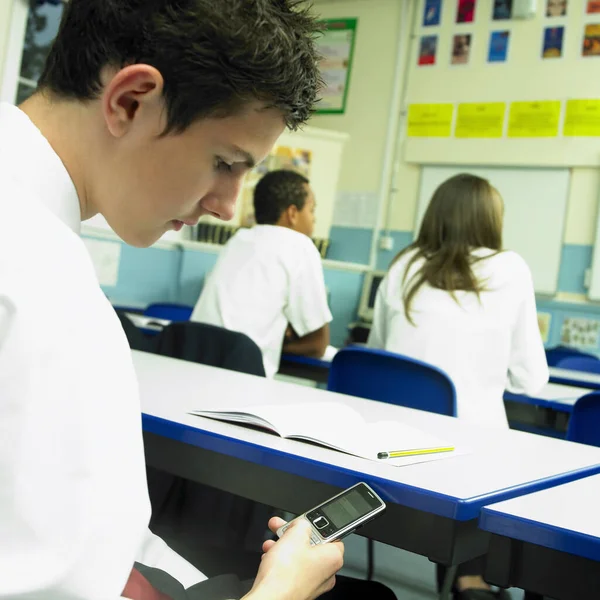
[485, 346]
[265, 278]
[74, 504]
[498, 459]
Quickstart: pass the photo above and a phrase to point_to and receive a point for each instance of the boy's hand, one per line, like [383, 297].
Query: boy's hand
[292, 569]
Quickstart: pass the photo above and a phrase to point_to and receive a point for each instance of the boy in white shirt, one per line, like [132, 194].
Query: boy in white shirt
[150, 113]
[269, 279]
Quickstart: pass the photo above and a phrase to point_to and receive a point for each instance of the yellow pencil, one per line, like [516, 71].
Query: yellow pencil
[399, 453]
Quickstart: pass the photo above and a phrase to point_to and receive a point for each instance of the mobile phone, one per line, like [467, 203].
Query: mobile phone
[341, 515]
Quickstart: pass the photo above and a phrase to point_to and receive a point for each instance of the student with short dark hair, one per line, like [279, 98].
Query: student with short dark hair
[269, 277]
[149, 112]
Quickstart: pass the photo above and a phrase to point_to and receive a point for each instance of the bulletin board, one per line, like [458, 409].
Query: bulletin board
[504, 91]
[531, 197]
[336, 46]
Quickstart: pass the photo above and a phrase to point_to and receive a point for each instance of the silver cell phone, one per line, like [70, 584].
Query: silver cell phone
[341, 515]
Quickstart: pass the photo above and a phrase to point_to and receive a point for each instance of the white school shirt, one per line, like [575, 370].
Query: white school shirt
[264, 278]
[484, 346]
[74, 504]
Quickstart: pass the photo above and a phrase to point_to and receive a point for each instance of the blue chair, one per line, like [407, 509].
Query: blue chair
[395, 379]
[170, 312]
[584, 424]
[392, 378]
[559, 353]
[589, 364]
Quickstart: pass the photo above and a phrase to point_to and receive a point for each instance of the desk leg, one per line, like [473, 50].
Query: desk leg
[448, 582]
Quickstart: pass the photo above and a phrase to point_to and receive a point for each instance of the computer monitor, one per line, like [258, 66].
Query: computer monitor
[369, 293]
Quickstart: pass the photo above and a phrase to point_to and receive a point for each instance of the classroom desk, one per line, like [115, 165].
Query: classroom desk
[148, 324]
[554, 396]
[305, 367]
[582, 379]
[432, 506]
[547, 542]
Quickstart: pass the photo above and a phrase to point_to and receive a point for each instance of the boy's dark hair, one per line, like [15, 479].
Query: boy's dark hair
[275, 192]
[214, 55]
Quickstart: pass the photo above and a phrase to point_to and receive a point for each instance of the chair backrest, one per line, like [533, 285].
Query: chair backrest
[584, 424]
[211, 345]
[171, 312]
[559, 353]
[393, 378]
[580, 363]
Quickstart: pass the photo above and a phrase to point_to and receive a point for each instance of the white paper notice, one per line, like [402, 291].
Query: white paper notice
[106, 257]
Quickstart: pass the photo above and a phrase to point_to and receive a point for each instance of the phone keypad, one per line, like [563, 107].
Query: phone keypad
[315, 540]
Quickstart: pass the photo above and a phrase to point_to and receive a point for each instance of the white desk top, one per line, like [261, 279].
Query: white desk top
[144, 322]
[500, 460]
[564, 394]
[575, 376]
[555, 517]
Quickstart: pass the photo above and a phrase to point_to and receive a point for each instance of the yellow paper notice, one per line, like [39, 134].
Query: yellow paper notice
[534, 119]
[480, 120]
[582, 118]
[430, 120]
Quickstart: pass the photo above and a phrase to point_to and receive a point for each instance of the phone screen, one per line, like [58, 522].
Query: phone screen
[340, 512]
[348, 508]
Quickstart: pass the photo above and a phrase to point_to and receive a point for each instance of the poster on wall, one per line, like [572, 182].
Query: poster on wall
[553, 42]
[430, 120]
[556, 8]
[498, 49]
[465, 11]
[582, 118]
[591, 40]
[480, 120]
[461, 49]
[427, 50]
[582, 333]
[534, 119]
[592, 7]
[432, 12]
[336, 46]
[502, 10]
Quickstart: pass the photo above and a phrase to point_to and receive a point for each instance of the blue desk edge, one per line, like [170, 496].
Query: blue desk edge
[540, 534]
[398, 493]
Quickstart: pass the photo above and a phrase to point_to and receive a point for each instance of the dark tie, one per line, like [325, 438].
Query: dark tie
[139, 588]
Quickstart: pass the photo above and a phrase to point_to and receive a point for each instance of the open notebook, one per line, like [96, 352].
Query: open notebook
[336, 426]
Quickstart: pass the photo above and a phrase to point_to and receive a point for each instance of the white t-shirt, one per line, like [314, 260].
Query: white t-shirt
[484, 346]
[264, 278]
[74, 505]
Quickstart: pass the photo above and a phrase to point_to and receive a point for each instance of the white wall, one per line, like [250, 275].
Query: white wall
[5, 13]
[370, 93]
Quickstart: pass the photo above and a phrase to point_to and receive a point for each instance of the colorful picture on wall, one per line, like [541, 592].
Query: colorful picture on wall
[556, 8]
[432, 13]
[592, 7]
[336, 46]
[461, 49]
[465, 11]
[428, 50]
[498, 50]
[502, 10]
[582, 333]
[591, 40]
[553, 42]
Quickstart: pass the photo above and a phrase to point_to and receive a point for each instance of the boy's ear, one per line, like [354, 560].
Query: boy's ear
[292, 214]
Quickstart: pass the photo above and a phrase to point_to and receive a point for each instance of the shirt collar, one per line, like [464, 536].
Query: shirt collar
[34, 164]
